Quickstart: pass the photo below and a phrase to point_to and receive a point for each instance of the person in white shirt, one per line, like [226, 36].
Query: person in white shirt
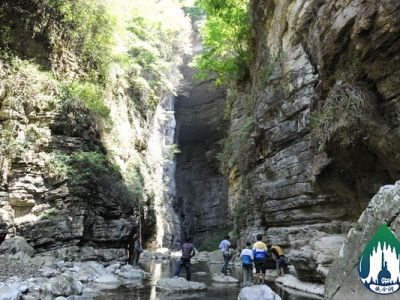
[224, 246]
[247, 263]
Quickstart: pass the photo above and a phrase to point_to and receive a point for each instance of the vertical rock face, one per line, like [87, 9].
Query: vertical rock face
[161, 158]
[313, 133]
[202, 191]
[43, 197]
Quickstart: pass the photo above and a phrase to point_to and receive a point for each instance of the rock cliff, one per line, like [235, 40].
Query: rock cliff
[314, 129]
[87, 124]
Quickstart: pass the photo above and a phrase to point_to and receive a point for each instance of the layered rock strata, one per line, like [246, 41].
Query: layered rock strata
[313, 132]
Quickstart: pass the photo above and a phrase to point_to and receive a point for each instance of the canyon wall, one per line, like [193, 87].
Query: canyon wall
[87, 153]
[314, 128]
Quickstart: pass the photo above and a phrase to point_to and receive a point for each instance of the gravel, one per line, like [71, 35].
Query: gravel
[10, 268]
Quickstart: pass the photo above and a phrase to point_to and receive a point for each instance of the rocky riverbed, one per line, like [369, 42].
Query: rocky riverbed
[39, 277]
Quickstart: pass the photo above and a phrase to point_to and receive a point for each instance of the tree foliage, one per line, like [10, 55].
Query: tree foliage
[226, 35]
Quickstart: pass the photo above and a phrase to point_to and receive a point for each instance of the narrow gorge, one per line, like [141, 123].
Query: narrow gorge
[163, 120]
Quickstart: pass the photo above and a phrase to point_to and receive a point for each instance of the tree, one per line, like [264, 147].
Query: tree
[226, 36]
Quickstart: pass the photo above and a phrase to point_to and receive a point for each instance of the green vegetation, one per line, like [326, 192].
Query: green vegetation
[213, 239]
[171, 151]
[246, 129]
[91, 96]
[226, 37]
[80, 166]
[240, 212]
[225, 156]
[345, 105]
[135, 181]
[50, 213]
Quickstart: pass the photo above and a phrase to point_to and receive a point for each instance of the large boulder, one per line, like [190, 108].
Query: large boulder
[343, 282]
[179, 285]
[108, 281]
[15, 245]
[10, 293]
[62, 286]
[221, 278]
[258, 292]
[129, 272]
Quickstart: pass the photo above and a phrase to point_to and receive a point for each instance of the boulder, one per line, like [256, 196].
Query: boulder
[113, 268]
[128, 272]
[221, 278]
[21, 257]
[15, 245]
[49, 272]
[10, 293]
[62, 286]
[179, 285]
[258, 292]
[201, 274]
[108, 281]
[89, 271]
[343, 282]
[310, 288]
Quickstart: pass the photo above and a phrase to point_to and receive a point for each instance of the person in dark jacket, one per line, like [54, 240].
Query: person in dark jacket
[188, 252]
[137, 249]
[130, 248]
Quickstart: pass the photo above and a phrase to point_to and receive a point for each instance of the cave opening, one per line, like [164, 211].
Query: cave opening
[201, 188]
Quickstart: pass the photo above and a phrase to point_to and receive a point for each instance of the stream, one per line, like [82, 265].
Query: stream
[159, 269]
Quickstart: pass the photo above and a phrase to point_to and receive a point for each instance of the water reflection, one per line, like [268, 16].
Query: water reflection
[155, 270]
[160, 269]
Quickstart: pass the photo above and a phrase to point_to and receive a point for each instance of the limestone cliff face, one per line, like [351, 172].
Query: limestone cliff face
[314, 131]
[50, 209]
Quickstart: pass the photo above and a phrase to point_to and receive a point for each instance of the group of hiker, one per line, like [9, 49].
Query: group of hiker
[258, 255]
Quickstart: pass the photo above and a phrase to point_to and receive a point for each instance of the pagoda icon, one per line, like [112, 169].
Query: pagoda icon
[384, 276]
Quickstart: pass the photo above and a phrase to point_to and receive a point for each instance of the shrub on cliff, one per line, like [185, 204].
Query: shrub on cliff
[226, 37]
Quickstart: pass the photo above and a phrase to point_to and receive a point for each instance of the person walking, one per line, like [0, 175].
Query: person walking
[279, 257]
[130, 246]
[188, 252]
[137, 249]
[260, 254]
[247, 264]
[224, 246]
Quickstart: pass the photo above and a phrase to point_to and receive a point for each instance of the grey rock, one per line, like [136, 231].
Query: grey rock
[179, 285]
[49, 272]
[15, 245]
[221, 278]
[10, 293]
[62, 286]
[108, 281]
[258, 292]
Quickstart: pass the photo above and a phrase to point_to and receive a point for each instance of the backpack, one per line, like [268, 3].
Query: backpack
[259, 255]
[246, 260]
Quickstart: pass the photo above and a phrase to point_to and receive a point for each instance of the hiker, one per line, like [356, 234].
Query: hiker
[130, 246]
[137, 249]
[224, 246]
[279, 257]
[260, 254]
[247, 264]
[188, 252]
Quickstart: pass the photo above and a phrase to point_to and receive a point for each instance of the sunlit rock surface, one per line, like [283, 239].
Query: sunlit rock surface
[258, 292]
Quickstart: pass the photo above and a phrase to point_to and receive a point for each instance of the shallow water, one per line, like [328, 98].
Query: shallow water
[160, 269]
